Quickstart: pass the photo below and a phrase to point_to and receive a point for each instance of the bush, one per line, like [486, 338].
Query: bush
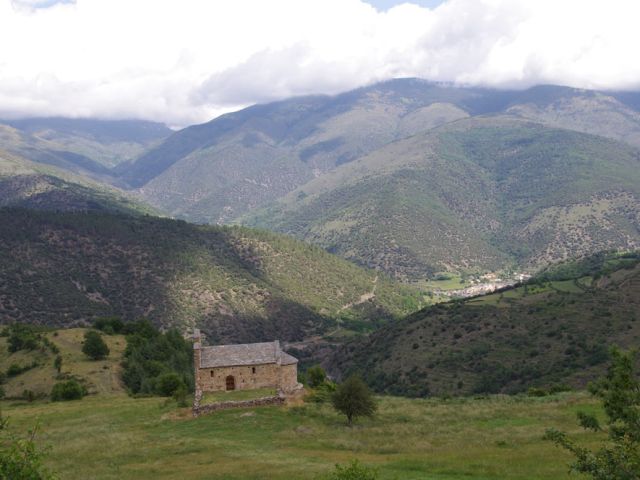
[28, 395]
[22, 337]
[168, 383]
[69, 390]
[109, 325]
[353, 399]
[94, 346]
[20, 459]
[180, 396]
[353, 471]
[619, 457]
[316, 376]
[57, 363]
[15, 369]
[323, 393]
[537, 392]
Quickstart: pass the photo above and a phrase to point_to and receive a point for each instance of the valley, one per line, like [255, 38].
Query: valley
[553, 331]
[345, 240]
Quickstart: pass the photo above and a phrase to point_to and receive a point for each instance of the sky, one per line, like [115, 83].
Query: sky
[186, 61]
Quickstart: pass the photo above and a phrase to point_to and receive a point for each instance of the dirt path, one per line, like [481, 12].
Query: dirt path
[365, 297]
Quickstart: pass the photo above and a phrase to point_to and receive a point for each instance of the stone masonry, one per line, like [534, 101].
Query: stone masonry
[243, 367]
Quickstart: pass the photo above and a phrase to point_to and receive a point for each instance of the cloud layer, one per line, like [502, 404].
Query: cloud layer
[185, 61]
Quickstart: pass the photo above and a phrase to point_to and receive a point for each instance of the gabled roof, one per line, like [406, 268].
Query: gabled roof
[244, 354]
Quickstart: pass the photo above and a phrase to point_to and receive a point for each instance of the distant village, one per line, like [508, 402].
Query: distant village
[487, 283]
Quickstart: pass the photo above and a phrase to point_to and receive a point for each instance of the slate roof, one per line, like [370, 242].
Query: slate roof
[244, 354]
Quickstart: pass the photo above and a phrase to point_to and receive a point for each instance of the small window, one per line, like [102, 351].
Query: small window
[211, 373]
[253, 369]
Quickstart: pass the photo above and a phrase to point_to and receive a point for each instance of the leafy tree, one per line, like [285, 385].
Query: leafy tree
[69, 390]
[57, 363]
[353, 471]
[94, 346]
[316, 376]
[354, 399]
[619, 457]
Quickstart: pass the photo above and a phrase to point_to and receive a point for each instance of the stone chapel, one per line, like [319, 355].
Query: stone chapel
[243, 367]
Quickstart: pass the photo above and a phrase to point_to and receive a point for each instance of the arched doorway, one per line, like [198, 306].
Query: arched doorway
[231, 383]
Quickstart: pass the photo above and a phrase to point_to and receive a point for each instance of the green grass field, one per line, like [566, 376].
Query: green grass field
[109, 435]
[117, 437]
[237, 395]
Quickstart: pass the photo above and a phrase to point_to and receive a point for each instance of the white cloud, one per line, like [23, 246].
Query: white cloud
[184, 61]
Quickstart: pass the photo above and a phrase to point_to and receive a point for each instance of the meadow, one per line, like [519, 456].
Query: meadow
[119, 437]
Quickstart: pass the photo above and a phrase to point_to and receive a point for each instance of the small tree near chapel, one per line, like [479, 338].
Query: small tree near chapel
[354, 399]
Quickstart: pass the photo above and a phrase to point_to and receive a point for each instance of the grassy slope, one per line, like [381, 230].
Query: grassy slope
[556, 331]
[479, 193]
[108, 435]
[122, 438]
[100, 377]
[237, 284]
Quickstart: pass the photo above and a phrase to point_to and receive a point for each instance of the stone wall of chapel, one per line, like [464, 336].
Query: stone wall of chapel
[246, 377]
[288, 377]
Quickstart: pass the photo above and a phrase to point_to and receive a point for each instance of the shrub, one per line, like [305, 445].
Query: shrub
[94, 346]
[22, 337]
[619, 457]
[168, 383]
[20, 458]
[180, 396]
[109, 325]
[28, 395]
[69, 390]
[15, 369]
[323, 393]
[57, 363]
[353, 399]
[353, 471]
[316, 376]
[537, 392]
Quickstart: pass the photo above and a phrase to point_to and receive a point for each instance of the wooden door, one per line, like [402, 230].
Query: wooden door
[231, 383]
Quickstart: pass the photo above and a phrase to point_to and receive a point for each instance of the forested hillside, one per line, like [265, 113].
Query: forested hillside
[28, 184]
[553, 331]
[482, 193]
[237, 284]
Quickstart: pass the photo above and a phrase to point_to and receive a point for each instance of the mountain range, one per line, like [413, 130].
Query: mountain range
[404, 180]
[408, 177]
